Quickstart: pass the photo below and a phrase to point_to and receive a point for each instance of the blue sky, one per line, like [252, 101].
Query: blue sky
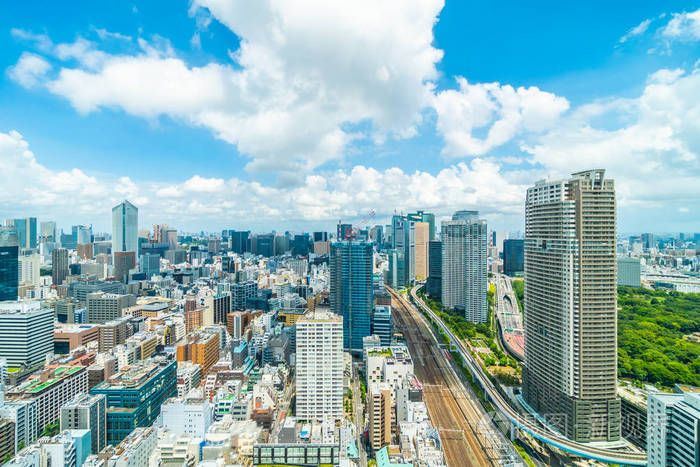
[292, 115]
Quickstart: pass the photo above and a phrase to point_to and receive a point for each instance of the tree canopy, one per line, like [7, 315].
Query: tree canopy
[652, 325]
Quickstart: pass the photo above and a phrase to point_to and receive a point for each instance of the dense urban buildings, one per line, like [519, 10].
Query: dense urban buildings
[135, 394]
[87, 412]
[571, 305]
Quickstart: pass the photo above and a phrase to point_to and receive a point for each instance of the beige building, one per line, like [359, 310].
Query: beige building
[571, 305]
[380, 408]
[66, 337]
[422, 239]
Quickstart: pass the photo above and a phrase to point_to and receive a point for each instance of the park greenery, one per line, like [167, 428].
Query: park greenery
[519, 290]
[654, 334]
[653, 330]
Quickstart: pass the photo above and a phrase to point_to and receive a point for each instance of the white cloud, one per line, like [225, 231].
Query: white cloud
[638, 30]
[83, 51]
[504, 110]
[30, 70]
[105, 34]
[25, 182]
[74, 196]
[302, 73]
[683, 26]
[650, 144]
[42, 42]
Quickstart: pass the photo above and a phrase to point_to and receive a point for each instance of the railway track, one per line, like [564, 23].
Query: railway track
[450, 404]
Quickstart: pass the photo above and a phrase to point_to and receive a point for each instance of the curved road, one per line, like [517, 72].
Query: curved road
[503, 406]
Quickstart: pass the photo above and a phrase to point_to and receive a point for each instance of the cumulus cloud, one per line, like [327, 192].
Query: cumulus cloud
[73, 196]
[303, 72]
[27, 183]
[30, 70]
[649, 143]
[503, 110]
[683, 26]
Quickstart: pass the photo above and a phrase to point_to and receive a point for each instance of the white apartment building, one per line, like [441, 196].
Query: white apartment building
[319, 358]
[191, 416]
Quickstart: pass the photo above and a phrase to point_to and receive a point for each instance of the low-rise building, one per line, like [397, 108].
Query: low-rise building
[191, 415]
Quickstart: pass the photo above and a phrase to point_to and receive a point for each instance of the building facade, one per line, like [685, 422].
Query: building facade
[571, 305]
[351, 292]
[9, 254]
[87, 412]
[629, 272]
[673, 429]
[513, 256]
[125, 219]
[433, 286]
[135, 394]
[59, 265]
[464, 263]
[319, 369]
[26, 333]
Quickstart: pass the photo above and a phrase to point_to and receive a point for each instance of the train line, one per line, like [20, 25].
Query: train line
[453, 409]
[501, 403]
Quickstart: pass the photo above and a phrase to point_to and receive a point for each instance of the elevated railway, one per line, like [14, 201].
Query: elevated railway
[502, 404]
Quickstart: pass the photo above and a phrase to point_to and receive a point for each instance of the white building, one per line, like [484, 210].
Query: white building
[136, 449]
[26, 333]
[28, 269]
[319, 357]
[464, 262]
[391, 365]
[189, 415]
[673, 423]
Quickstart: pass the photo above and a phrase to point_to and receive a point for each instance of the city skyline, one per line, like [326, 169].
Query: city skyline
[382, 233]
[419, 123]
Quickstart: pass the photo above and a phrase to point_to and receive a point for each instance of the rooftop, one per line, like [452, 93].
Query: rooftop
[133, 376]
[35, 386]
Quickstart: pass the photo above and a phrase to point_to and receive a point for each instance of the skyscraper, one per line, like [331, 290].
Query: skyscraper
[26, 232]
[433, 286]
[9, 253]
[426, 217]
[125, 219]
[571, 305]
[513, 256]
[403, 239]
[422, 237]
[319, 370]
[351, 292]
[47, 231]
[59, 265]
[464, 271]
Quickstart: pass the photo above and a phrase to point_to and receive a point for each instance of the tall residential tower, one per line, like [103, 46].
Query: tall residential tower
[571, 305]
[464, 274]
